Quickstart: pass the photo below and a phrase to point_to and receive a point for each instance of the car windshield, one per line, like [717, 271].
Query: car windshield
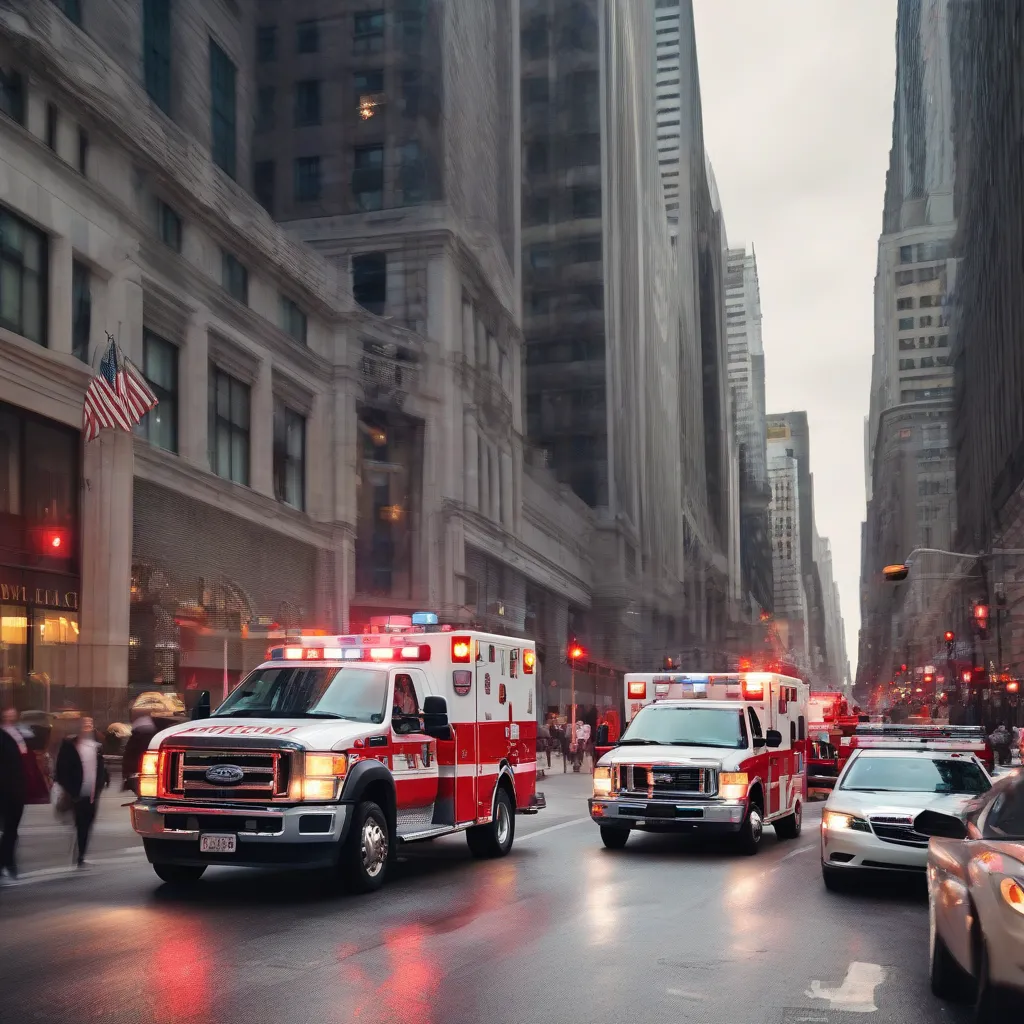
[915, 775]
[690, 727]
[357, 694]
[1005, 820]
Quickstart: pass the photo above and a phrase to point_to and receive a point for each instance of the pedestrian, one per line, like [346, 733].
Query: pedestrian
[143, 730]
[82, 774]
[14, 754]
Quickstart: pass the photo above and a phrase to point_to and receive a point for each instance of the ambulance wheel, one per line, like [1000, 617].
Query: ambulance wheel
[495, 838]
[749, 838]
[366, 853]
[790, 826]
[179, 874]
[614, 838]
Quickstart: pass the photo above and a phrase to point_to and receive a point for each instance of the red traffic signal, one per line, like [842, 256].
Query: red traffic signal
[1012, 686]
[51, 541]
[981, 616]
[903, 667]
[949, 636]
[966, 677]
[576, 652]
[929, 678]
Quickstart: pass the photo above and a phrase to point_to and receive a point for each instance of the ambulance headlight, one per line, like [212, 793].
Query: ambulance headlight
[603, 780]
[733, 785]
[322, 776]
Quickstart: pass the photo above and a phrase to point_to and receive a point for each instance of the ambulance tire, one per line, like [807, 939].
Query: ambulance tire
[495, 838]
[179, 874]
[614, 838]
[366, 853]
[791, 826]
[749, 839]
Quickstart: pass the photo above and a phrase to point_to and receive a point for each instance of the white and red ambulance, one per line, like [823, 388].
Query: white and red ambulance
[708, 754]
[338, 749]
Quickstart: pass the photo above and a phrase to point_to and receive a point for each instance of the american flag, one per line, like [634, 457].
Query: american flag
[117, 397]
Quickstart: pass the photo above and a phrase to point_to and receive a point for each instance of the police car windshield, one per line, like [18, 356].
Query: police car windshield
[687, 727]
[915, 775]
[356, 694]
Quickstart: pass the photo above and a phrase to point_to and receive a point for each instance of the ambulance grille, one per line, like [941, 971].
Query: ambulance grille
[668, 779]
[265, 774]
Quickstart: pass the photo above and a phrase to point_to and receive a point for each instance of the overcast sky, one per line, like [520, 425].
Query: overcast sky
[797, 98]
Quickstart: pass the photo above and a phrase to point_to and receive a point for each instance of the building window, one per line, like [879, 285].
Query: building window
[370, 281]
[266, 43]
[81, 310]
[52, 117]
[368, 33]
[535, 90]
[156, 51]
[307, 37]
[229, 426]
[265, 108]
[369, 90]
[586, 203]
[907, 303]
[906, 254]
[925, 321]
[23, 261]
[263, 184]
[160, 367]
[307, 179]
[906, 323]
[293, 320]
[943, 340]
[412, 178]
[537, 156]
[368, 177]
[169, 225]
[83, 150]
[222, 110]
[307, 102]
[904, 277]
[12, 95]
[289, 456]
[72, 10]
[234, 277]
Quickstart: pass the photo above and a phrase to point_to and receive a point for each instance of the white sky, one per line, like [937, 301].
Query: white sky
[797, 98]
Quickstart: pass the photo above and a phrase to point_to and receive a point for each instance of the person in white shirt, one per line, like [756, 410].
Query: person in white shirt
[582, 741]
[82, 774]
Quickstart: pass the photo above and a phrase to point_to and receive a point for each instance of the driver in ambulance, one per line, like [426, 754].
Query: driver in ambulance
[405, 712]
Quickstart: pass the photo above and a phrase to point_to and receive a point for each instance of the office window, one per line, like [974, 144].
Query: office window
[369, 91]
[925, 321]
[83, 150]
[904, 277]
[293, 320]
[12, 95]
[160, 367]
[368, 33]
[229, 426]
[265, 108]
[537, 156]
[906, 323]
[72, 10]
[370, 281]
[368, 177]
[266, 43]
[222, 110]
[289, 456]
[263, 183]
[156, 51]
[307, 102]
[586, 202]
[169, 225]
[234, 277]
[24, 254]
[535, 90]
[906, 254]
[52, 119]
[907, 303]
[307, 179]
[307, 37]
[412, 179]
[81, 310]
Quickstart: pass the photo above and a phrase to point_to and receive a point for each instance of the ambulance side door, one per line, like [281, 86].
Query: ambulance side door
[413, 753]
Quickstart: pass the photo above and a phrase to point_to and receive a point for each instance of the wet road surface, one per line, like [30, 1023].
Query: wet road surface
[561, 930]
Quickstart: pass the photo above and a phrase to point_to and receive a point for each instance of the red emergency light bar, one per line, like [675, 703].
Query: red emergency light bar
[410, 652]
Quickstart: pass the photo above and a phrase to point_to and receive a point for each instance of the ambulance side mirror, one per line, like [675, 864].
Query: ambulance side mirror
[201, 708]
[773, 739]
[435, 718]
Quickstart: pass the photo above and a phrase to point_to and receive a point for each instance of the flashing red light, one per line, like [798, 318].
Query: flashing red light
[948, 636]
[1012, 686]
[966, 676]
[52, 541]
[576, 652]
[638, 689]
[529, 661]
[903, 667]
[929, 678]
[462, 649]
[753, 689]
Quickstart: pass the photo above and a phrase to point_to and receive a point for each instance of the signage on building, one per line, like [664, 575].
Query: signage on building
[39, 590]
[778, 431]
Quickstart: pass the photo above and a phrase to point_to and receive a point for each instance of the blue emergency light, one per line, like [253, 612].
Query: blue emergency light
[424, 618]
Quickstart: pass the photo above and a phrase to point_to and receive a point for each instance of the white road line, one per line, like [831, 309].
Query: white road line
[550, 828]
[696, 997]
[857, 992]
[48, 874]
[799, 850]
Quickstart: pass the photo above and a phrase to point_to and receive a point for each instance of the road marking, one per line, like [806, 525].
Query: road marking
[799, 850]
[696, 997]
[551, 828]
[856, 994]
[115, 859]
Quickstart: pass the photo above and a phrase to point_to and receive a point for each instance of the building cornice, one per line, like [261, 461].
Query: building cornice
[40, 380]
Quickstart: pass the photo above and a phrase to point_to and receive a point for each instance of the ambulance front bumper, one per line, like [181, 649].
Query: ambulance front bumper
[708, 817]
[305, 835]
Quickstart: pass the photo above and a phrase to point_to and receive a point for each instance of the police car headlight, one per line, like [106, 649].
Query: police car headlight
[602, 780]
[835, 821]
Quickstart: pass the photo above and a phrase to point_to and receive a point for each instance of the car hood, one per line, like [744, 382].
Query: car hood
[909, 804]
[312, 734]
[701, 757]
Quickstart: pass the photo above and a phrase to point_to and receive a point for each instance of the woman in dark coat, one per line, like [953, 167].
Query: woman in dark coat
[82, 775]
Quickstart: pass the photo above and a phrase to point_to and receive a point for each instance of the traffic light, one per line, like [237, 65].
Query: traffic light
[575, 651]
[966, 677]
[950, 637]
[981, 619]
[51, 541]
[1013, 686]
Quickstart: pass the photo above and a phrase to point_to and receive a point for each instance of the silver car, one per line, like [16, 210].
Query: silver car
[976, 901]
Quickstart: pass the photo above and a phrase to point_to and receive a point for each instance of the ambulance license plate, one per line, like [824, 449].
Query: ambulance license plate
[218, 844]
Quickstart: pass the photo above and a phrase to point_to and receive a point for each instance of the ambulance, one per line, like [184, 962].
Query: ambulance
[338, 750]
[715, 755]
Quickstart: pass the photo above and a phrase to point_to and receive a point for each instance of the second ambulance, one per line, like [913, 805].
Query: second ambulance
[708, 754]
[337, 749]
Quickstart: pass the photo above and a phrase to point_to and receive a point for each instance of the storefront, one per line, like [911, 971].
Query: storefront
[39, 565]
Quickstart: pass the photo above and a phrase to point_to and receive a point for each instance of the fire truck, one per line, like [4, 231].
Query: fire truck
[707, 754]
[339, 749]
[967, 738]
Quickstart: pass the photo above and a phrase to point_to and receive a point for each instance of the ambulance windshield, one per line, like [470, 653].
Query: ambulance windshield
[670, 725]
[356, 694]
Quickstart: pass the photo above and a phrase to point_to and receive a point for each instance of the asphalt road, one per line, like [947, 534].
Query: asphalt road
[561, 930]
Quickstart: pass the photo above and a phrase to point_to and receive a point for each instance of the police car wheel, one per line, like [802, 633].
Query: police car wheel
[366, 853]
[614, 838]
[179, 874]
[494, 839]
[751, 831]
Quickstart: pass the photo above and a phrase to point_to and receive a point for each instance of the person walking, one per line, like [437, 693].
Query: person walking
[82, 774]
[14, 754]
[143, 730]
